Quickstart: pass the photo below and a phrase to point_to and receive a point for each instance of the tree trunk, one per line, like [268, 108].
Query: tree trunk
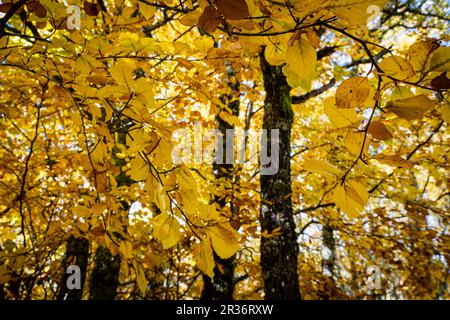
[222, 287]
[105, 276]
[329, 247]
[278, 254]
[328, 260]
[77, 253]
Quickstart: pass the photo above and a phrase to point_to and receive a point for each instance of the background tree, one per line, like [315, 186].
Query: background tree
[87, 117]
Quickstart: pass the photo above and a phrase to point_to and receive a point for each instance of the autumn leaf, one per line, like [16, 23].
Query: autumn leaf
[91, 9]
[204, 257]
[37, 8]
[356, 12]
[275, 54]
[209, 19]
[300, 68]
[225, 240]
[394, 161]
[440, 60]
[397, 67]
[91, 103]
[138, 169]
[321, 166]
[351, 198]
[147, 10]
[166, 229]
[5, 7]
[339, 117]
[445, 111]
[141, 280]
[352, 92]
[122, 72]
[354, 142]
[420, 53]
[232, 9]
[411, 108]
[441, 82]
[379, 131]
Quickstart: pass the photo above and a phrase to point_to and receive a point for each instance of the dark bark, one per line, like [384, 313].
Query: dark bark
[328, 261]
[222, 287]
[329, 246]
[105, 276]
[2, 285]
[278, 254]
[77, 253]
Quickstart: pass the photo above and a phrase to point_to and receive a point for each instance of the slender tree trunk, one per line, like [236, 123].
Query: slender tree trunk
[105, 276]
[77, 253]
[2, 285]
[328, 260]
[222, 287]
[278, 254]
[328, 256]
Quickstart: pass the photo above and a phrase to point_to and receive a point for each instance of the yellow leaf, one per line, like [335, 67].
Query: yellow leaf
[81, 211]
[355, 12]
[397, 67]
[352, 92]
[401, 92]
[189, 193]
[275, 54]
[419, 54]
[300, 68]
[99, 153]
[207, 211]
[204, 258]
[321, 166]
[440, 60]
[225, 240]
[351, 198]
[339, 117]
[445, 111]
[313, 38]
[162, 200]
[122, 72]
[191, 18]
[394, 161]
[97, 231]
[138, 169]
[141, 279]
[4, 276]
[203, 44]
[144, 92]
[126, 249]
[411, 108]
[229, 118]
[82, 65]
[146, 10]
[354, 141]
[166, 229]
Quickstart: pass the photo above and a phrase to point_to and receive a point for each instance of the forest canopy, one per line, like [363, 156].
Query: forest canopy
[224, 149]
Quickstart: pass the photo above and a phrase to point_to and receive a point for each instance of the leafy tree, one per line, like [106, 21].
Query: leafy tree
[92, 96]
